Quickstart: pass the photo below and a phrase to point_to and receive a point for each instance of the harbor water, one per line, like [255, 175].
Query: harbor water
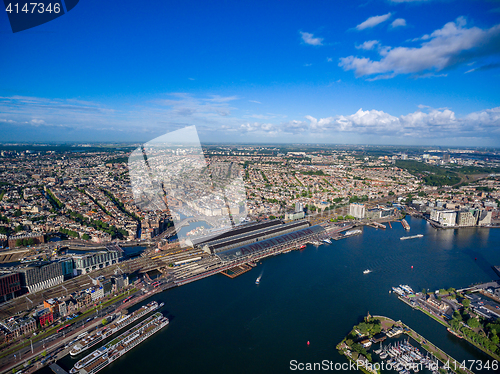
[222, 325]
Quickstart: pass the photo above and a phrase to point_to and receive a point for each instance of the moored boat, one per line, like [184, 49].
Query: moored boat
[96, 337]
[103, 356]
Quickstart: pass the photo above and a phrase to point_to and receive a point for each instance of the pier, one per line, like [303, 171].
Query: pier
[454, 365]
[236, 271]
[57, 369]
[377, 225]
[405, 224]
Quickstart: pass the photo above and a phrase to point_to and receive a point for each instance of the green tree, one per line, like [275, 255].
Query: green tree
[104, 321]
[466, 303]
[473, 322]
[86, 237]
[457, 315]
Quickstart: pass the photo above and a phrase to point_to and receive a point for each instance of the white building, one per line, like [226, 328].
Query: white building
[357, 210]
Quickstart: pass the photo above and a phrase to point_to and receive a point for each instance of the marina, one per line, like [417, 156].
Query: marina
[399, 354]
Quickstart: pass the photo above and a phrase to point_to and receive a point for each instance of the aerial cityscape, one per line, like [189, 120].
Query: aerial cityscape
[250, 187]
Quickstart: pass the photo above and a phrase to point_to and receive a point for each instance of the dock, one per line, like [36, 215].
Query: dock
[57, 369]
[377, 225]
[405, 224]
[236, 271]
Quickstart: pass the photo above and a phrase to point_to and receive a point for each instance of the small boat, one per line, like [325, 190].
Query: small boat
[257, 281]
[367, 271]
[453, 333]
[302, 246]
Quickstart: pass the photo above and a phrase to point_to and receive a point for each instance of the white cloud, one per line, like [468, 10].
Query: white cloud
[295, 126]
[27, 115]
[398, 22]
[373, 21]
[424, 123]
[255, 101]
[329, 59]
[268, 128]
[451, 45]
[37, 122]
[368, 45]
[309, 38]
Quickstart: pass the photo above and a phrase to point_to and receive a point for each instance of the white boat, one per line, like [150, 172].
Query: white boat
[367, 271]
[257, 281]
[98, 336]
[105, 355]
[406, 288]
[411, 237]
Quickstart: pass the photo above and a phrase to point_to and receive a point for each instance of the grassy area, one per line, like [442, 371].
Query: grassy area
[432, 175]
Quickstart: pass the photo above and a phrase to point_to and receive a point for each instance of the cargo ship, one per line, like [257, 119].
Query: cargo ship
[103, 356]
[96, 337]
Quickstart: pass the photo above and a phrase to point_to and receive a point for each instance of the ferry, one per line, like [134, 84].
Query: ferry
[367, 271]
[406, 288]
[327, 241]
[96, 337]
[398, 290]
[105, 355]
[257, 281]
[411, 237]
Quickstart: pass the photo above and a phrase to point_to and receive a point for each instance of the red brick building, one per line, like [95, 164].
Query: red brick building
[44, 317]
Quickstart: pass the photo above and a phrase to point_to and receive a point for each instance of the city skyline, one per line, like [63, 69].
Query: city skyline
[376, 72]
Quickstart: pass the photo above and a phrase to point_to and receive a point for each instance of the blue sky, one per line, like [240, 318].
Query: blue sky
[369, 72]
